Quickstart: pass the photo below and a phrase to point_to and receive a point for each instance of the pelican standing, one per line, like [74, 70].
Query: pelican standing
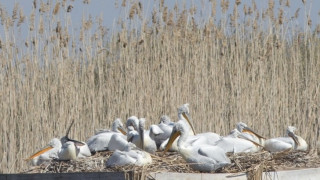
[100, 141]
[204, 158]
[290, 141]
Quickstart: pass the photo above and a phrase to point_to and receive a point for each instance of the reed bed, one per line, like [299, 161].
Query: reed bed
[254, 66]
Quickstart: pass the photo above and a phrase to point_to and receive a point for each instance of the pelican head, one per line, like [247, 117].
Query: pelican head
[290, 133]
[242, 127]
[237, 134]
[183, 112]
[134, 122]
[179, 129]
[117, 126]
[54, 143]
[165, 119]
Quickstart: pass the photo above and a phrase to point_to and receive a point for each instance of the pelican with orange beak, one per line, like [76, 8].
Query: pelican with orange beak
[63, 149]
[290, 142]
[250, 134]
[236, 142]
[202, 157]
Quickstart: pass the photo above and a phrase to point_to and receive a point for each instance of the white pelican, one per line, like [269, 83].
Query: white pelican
[117, 142]
[249, 133]
[203, 138]
[204, 157]
[141, 138]
[130, 156]
[290, 141]
[81, 148]
[161, 132]
[236, 142]
[100, 141]
[63, 149]
[183, 114]
[46, 154]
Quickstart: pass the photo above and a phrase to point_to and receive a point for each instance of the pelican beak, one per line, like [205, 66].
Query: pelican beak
[294, 137]
[173, 137]
[249, 130]
[244, 137]
[76, 143]
[121, 129]
[187, 117]
[39, 153]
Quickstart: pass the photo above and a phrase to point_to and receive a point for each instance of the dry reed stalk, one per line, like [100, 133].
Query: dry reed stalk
[252, 75]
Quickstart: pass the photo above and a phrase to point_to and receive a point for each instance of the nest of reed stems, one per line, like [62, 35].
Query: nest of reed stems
[251, 163]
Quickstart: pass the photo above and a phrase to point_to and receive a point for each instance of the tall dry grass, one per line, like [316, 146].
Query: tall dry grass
[252, 66]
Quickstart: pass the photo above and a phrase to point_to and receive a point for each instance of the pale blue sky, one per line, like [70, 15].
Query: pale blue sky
[110, 13]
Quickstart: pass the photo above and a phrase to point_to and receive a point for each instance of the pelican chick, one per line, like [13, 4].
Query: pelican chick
[290, 141]
[205, 158]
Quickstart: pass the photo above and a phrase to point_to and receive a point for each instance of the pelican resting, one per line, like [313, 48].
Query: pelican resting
[100, 141]
[130, 156]
[141, 138]
[202, 157]
[60, 149]
[250, 134]
[289, 142]
[236, 142]
[161, 132]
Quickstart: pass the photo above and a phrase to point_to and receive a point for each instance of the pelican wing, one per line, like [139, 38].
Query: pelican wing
[215, 153]
[154, 129]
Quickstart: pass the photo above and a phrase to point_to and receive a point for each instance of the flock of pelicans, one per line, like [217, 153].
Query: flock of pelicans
[205, 152]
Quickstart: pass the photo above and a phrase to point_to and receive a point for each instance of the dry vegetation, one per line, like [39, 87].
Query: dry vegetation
[252, 66]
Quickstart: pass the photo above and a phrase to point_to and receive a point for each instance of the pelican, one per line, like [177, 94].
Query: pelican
[183, 114]
[81, 148]
[203, 138]
[130, 156]
[46, 154]
[161, 132]
[236, 142]
[117, 142]
[141, 138]
[290, 141]
[250, 134]
[100, 141]
[63, 149]
[203, 157]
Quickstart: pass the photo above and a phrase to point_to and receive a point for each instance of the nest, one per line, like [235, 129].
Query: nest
[252, 163]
